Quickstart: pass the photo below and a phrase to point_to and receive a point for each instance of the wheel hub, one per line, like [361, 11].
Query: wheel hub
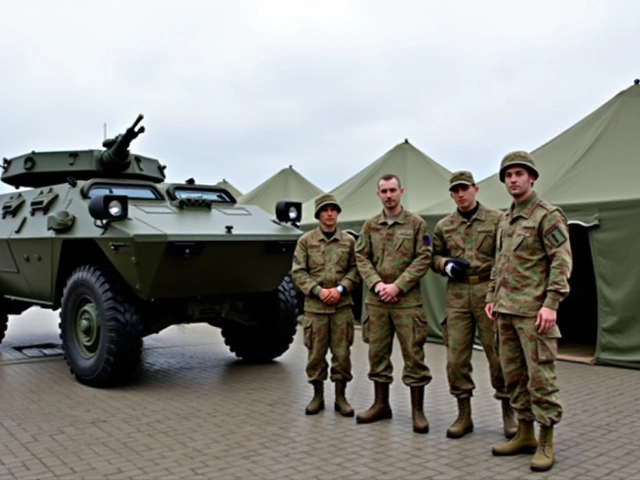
[87, 331]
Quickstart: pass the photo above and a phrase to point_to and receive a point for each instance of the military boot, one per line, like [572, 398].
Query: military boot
[380, 410]
[543, 458]
[524, 441]
[341, 404]
[317, 402]
[420, 423]
[508, 419]
[463, 424]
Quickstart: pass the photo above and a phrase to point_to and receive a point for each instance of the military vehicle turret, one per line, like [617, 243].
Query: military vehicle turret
[123, 253]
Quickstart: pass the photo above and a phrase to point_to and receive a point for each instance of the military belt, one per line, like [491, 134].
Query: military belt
[475, 279]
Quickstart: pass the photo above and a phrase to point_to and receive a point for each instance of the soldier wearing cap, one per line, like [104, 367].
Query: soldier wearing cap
[529, 280]
[393, 254]
[324, 269]
[464, 251]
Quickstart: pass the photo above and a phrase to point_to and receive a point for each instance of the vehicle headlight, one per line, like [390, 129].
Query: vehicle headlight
[115, 208]
[287, 211]
[109, 207]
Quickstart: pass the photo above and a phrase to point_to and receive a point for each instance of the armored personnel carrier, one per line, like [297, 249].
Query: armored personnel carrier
[102, 236]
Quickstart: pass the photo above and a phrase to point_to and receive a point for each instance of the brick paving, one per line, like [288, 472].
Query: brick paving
[195, 411]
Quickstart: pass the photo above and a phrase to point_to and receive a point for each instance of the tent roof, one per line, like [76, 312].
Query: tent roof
[423, 179]
[287, 184]
[230, 188]
[596, 160]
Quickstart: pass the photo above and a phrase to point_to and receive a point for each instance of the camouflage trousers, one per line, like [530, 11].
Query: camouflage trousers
[528, 362]
[410, 324]
[465, 314]
[323, 332]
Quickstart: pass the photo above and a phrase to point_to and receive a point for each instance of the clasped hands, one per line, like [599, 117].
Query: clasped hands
[388, 292]
[330, 296]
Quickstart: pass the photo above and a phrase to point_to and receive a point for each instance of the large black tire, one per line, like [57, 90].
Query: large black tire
[273, 334]
[100, 328]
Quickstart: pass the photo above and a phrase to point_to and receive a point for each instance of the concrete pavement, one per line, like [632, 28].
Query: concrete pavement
[195, 411]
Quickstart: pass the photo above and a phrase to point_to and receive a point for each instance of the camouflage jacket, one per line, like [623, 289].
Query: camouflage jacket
[399, 253]
[319, 262]
[473, 240]
[533, 259]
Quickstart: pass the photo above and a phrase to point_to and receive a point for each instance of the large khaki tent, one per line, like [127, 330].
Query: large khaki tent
[287, 184]
[424, 181]
[592, 170]
[229, 188]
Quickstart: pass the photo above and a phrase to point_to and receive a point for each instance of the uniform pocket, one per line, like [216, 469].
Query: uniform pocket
[486, 243]
[401, 244]
[445, 332]
[350, 331]
[420, 328]
[365, 329]
[455, 249]
[342, 258]
[307, 329]
[517, 242]
[547, 345]
[404, 242]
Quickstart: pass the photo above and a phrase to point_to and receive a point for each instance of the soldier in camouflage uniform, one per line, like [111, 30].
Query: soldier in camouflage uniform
[393, 254]
[528, 281]
[464, 250]
[324, 269]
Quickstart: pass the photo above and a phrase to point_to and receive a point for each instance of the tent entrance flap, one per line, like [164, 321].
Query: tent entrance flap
[578, 313]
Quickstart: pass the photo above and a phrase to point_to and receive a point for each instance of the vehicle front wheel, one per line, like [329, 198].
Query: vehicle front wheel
[276, 318]
[100, 328]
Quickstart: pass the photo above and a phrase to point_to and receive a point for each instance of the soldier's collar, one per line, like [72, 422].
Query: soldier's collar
[525, 208]
[321, 237]
[401, 218]
[480, 215]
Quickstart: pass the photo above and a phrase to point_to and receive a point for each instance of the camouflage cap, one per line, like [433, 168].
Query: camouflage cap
[521, 159]
[461, 177]
[324, 200]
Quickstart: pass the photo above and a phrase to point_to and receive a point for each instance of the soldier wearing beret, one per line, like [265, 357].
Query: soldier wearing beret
[464, 251]
[324, 269]
[528, 281]
[393, 254]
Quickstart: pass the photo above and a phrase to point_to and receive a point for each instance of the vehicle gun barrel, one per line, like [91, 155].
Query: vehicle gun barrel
[117, 154]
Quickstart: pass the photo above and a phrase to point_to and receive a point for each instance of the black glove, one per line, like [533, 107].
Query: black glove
[456, 267]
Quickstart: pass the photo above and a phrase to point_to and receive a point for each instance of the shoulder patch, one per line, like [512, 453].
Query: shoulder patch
[555, 236]
[426, 240]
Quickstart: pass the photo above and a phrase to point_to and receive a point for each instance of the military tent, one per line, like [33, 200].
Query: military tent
[591, 170]
[229, 188]
[424, 181]
[287, 184]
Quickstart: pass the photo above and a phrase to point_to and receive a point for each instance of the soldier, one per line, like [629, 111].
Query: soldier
[393, 254]
[324, 269]
[464, 250]
[528, 281]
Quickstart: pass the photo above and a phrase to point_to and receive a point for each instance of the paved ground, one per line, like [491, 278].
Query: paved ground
[196, 412]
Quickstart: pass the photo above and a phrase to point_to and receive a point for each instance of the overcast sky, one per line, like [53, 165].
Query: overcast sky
[240, 89]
